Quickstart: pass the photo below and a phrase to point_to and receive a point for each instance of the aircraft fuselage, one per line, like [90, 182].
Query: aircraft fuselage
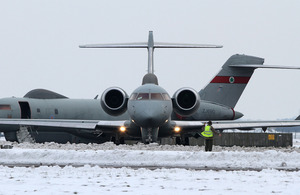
[149, 107]
[31, 108]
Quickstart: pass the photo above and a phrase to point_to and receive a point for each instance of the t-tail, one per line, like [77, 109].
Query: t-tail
[150, 45]
[228, 85]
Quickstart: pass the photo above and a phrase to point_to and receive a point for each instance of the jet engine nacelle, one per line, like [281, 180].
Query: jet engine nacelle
[186, 101]
[114, 101]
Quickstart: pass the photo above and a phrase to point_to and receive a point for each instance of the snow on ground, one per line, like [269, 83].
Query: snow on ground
[296, 143]
[94, 178]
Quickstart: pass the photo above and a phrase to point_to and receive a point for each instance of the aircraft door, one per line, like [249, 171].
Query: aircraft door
[25, 110]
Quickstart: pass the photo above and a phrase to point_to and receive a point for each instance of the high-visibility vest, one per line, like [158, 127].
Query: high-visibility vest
[207, 132]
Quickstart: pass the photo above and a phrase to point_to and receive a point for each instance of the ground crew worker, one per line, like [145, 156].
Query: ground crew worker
[208, 133]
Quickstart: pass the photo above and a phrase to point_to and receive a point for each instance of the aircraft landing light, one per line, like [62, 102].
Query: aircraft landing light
[122, 129]
[177, 129]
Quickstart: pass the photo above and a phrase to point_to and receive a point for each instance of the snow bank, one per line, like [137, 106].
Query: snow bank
[152, 155]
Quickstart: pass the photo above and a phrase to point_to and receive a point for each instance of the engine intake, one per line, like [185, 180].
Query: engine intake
[114, 101]
[186, 101]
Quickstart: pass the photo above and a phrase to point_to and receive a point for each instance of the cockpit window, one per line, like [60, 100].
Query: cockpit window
[150, 96]
[143, 96]
[166, 96]
[5, 107]
[156, 96]
[133, 96]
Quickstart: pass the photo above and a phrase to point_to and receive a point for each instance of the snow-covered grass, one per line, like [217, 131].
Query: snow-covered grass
[91, 177]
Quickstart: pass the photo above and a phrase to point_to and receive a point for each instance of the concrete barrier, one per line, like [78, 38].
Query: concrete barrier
[243, 139]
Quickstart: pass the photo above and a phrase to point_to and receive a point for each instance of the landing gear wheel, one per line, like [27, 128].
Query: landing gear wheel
[186, 141]
[178, 141]
[122, 140]
[113, 139]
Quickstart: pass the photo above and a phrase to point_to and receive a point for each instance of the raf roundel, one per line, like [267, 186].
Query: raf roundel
[231, 79]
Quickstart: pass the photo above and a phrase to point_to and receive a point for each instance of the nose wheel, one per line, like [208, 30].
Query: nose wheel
[117, 139]
[149, 135]
[182, 140]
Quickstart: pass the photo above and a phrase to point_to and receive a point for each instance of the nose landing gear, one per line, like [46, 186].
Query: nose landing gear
[149, 135]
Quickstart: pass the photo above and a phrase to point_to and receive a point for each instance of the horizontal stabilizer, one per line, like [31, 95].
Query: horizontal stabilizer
[150, 45]
[183, 45]
[263, 66]
[145, 45]
[116, 45]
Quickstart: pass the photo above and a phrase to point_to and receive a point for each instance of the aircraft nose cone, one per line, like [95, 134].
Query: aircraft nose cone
[149, 118]
[238, 115]
[149, 114]
[152, 119]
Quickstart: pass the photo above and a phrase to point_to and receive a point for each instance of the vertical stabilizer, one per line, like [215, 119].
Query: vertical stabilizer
[228, 85]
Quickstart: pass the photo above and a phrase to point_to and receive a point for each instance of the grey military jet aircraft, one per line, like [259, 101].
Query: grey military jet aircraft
[148, 113]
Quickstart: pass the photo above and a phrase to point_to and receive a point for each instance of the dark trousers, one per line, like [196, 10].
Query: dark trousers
[208, 144]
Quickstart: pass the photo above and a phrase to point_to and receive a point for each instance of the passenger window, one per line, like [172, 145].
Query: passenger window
[156, 96]
[56, 111]
[133, 96]
[5, 107]
[166, 96]
[143, 96]
[38, 110]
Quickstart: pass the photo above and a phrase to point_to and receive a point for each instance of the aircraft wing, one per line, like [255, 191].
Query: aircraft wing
[75, 124]
[184, 125]
[188, 124]
[245, 125]
[254, 124]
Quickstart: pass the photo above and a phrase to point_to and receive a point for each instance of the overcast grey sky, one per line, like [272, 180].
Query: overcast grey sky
[39, 47]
